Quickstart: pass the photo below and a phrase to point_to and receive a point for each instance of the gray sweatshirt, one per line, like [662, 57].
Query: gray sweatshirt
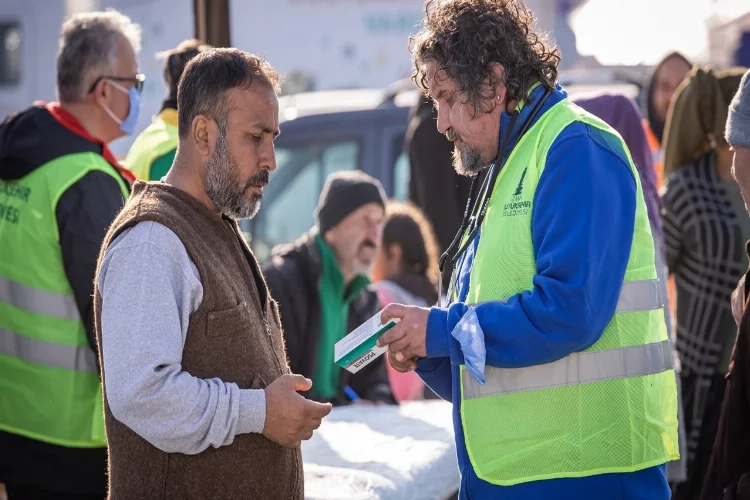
[149, 288]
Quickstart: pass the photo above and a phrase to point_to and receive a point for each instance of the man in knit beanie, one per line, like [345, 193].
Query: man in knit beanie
[728, 475]
[320, 283]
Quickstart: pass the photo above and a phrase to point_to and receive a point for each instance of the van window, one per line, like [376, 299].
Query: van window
[289, 201]
[401, 176]
[401, 170]
[10, 54]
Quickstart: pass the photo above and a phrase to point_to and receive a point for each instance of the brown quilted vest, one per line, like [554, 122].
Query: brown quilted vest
[230, 337]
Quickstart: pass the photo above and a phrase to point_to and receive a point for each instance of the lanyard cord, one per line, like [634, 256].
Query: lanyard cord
[489, 182]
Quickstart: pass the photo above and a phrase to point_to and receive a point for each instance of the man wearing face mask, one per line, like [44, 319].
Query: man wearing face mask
[60, 188]
[321, 284]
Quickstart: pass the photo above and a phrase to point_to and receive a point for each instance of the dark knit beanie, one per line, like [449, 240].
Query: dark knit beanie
[738, 124]
[343, 193]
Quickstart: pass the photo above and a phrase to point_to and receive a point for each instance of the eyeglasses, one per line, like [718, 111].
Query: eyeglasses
[136, 80]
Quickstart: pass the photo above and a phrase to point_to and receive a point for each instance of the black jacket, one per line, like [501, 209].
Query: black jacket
[293, 273]
[728, 475]
[28, 140]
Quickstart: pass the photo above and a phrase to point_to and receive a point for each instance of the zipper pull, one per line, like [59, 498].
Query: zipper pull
[268, 328]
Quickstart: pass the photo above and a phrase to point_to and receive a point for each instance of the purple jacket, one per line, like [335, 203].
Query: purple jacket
[622, 114]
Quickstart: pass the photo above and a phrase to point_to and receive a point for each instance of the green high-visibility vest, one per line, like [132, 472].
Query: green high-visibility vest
[156, 141]
[611, 408]
[49, 382]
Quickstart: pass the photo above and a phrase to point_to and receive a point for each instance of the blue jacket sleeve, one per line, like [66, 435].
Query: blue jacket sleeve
[436, 373]
[582, 231]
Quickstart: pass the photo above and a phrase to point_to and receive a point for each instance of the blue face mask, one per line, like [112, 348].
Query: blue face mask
[127, 126]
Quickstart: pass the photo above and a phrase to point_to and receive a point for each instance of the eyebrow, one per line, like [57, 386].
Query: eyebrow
[266, 129]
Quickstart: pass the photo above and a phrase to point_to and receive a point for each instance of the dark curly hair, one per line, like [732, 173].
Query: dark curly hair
[467, 37]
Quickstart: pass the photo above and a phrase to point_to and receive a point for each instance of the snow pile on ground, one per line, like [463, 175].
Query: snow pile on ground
[383, 452]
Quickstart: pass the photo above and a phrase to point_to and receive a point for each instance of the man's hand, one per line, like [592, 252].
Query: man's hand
[407, 339]
[290, 418]
[402, 366]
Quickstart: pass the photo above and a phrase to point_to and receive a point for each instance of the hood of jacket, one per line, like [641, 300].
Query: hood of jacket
[33, 137]
[649, 109]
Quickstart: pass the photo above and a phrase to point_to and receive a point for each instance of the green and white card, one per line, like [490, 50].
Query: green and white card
[359, 348]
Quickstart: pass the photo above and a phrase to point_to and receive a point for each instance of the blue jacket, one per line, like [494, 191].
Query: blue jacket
[582, 229]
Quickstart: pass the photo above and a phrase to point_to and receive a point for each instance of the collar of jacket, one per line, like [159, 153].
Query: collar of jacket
[67, 120]
[168, 115]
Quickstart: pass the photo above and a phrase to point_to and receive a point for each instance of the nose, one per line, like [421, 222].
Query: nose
[268, 157]
[443, 121]
[373, 232]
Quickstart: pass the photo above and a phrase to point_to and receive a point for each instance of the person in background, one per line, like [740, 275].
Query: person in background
[320, 283]
[198, 398]
[662, 83]
[657, 94]
[728, 475]
[622, 114]
[553, 348]
[705, 227]
[405, 271]
[434, 186]
[152, 153]
[60, 189]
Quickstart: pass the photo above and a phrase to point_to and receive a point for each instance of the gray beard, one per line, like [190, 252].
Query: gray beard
[361, 268]
[467, 161]
[224, 187]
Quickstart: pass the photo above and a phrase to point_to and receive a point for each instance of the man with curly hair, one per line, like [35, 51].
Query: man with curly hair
[553, 348]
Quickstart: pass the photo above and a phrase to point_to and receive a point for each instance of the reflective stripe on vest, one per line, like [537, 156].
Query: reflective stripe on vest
[38, 301]
[69, 357]
[643, 295]
[578, 368]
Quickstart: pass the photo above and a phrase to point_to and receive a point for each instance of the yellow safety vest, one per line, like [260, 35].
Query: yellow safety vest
[49, 381]
[611, 408]
[155, 141]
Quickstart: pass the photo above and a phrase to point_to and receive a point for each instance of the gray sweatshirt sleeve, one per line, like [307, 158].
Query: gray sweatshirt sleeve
[149, 287]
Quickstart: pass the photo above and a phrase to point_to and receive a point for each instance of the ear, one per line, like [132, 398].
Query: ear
[329, 237]
[496, 80]
[101, 91]
[204, 132]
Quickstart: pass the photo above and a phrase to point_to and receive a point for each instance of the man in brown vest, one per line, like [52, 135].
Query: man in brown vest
[199, 401]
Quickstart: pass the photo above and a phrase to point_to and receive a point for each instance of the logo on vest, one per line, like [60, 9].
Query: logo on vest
[13, 195]
[517, 205]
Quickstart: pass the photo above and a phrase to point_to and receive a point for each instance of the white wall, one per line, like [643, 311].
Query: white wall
[344, 43]
[40, 27]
